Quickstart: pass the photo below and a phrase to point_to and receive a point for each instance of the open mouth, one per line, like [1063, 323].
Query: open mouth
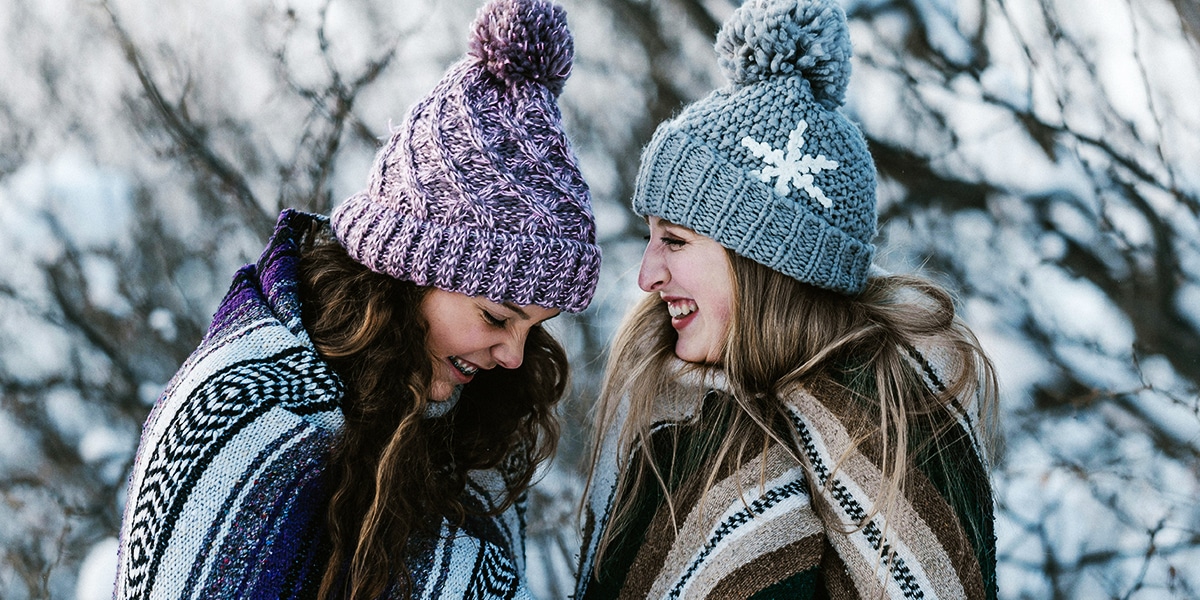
[466, 368]
[681, 308]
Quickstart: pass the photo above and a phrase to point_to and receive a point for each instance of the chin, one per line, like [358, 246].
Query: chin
[694, 353]
[691, 356]
[440, 391]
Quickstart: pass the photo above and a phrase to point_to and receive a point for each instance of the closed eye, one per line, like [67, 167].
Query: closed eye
[673, 242]
[493, 319]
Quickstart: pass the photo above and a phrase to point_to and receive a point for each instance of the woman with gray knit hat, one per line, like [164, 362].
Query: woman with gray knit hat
[373, 396]
[779, 419]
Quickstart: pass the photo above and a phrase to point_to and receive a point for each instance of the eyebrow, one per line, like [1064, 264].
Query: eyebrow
[524, 315]
[517, 309]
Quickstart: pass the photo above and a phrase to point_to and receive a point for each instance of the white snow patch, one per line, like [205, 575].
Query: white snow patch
[1176, 420]
[1187, 301]
[941, 24]
[1051, 247]
[1131, 224]
[40, 350]
[162, 321]
[149, 391]
[103, 285]
[1071, 220]
[1019, 366]
[1078, 310]
[1159, 374]
[98, 573]
[90, 203]
[17, 448]
[100, 443]
[69, 413]
[1098, 370]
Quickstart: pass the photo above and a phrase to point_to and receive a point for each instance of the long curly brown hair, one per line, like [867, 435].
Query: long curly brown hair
[396, 473]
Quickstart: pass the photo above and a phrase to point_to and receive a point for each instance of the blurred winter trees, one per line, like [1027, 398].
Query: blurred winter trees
[1038, 156]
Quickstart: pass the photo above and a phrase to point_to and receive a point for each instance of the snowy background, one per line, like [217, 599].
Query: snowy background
[1040, 157]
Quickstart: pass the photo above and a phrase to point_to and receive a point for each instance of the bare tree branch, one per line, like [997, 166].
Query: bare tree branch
[189, 136]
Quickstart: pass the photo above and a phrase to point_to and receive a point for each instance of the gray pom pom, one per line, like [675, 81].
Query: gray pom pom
[766, 38]
[524, 40]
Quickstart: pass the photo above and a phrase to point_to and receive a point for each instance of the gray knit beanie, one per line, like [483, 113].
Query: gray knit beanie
[769, 166]
[478, 191]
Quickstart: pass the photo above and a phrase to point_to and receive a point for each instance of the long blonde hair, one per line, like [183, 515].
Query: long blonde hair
[784, 334]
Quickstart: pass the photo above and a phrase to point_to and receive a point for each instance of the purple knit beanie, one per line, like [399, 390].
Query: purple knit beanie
[477, 191]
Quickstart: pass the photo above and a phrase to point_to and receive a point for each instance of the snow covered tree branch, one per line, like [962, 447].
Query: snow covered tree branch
[1037, 156]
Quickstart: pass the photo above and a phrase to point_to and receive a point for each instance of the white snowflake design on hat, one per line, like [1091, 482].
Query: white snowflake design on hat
[793, 168]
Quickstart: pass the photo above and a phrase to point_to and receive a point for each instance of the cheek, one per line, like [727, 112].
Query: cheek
[721, 315]
[720, 321]
[434, 339]
[719, 293]
[447, 338]
[462, 339]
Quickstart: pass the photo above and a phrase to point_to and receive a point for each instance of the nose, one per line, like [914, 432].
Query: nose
[510, 352]
[653, 273]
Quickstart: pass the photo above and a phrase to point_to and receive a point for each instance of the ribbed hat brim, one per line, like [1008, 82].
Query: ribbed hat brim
[686, 182]
[552, 272]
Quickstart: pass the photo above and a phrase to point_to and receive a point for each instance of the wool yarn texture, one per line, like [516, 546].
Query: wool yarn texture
[769, 166]
[232, 479]
[763, 530]
[477, 191]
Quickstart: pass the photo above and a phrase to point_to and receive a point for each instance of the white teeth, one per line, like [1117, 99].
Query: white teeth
[681, 308]
[463, 367]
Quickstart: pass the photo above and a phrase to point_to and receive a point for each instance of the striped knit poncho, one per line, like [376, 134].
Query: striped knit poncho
[750, 539]
[228, 494]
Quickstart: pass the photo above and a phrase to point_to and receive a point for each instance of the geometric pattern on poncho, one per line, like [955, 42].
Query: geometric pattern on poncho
[218, 409]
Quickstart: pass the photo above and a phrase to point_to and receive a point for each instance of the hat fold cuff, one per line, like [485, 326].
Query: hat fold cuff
[552, 272]
[686, 182]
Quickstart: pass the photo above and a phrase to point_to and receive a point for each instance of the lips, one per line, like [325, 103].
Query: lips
[682, 311]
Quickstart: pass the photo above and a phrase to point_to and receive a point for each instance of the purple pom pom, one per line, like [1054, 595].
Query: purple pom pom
[524, 40]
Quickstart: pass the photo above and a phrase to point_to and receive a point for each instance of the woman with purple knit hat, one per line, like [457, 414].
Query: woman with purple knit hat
[373, 395]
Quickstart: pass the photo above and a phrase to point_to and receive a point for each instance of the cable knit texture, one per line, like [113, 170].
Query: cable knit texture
[769, 166]
[229, 489]
[478, 191]
[776, 528]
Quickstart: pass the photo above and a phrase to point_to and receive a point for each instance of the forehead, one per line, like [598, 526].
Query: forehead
[444, 301]
[654, 221]
[536, 313]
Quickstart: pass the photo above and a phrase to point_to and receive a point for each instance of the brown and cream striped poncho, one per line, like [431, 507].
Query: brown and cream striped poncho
[750, 539]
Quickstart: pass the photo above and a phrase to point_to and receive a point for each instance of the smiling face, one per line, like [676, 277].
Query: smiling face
[469, 333]
[691, 273]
